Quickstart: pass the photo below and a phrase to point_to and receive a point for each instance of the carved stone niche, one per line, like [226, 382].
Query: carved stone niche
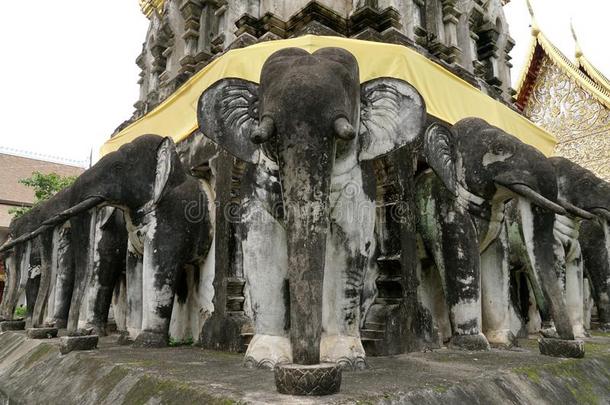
[191, 12]
[488, 52]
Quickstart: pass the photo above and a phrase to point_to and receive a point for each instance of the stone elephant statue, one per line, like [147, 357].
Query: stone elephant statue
[311, 127]
[594, 238]
[476, 169]
[146, 180]
[584, 197]
[20, 257]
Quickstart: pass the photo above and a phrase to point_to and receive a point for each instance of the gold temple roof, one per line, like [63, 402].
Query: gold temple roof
[150, 6]
[582, 72]
[594, 74]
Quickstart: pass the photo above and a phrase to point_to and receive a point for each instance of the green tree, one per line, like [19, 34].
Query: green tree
[45, 186]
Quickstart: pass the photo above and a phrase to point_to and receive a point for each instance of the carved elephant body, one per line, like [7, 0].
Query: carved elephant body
[479, 169]
[312, 117]
[169, 226]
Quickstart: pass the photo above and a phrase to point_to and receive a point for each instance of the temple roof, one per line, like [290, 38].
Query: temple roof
[582, 72]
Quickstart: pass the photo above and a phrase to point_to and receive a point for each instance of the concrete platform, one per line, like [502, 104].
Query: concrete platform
[120, 374]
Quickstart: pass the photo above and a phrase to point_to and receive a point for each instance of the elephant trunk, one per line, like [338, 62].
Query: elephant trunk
[306, 162]
[538, 235]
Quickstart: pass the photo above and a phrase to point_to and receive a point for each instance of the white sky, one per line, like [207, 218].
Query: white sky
[68, 76]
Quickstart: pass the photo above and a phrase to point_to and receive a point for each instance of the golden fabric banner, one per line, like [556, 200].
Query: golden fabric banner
[447, 96]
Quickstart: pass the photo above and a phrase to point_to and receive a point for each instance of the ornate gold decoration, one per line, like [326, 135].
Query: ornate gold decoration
[559, 104]
[150, 6]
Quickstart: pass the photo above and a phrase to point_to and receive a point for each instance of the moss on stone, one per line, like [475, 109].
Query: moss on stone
[37, 355]
[532, 373]
[572, 374]
[169, 391]
[109, 381]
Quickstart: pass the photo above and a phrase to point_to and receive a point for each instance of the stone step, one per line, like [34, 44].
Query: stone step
[235, 303]
[388, 300]
[235, 286]
[372, 334]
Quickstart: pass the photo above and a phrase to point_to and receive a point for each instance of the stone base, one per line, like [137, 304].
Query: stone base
[502, 339]
[469, 342]
[42, 333]
[72, 343]
[124, 339]
[150, 340]
[562, 348]
[12, 325]
[312, 380]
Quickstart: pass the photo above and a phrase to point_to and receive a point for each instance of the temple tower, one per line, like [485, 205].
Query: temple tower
[468, 37]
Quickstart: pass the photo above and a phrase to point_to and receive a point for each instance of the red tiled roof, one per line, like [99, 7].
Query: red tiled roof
[14, 168]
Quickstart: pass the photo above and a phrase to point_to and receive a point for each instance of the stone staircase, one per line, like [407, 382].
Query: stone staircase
[389, 297]
[235, 307]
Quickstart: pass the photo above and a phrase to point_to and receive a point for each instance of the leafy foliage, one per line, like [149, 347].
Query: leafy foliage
[20, 312]
[45, 186]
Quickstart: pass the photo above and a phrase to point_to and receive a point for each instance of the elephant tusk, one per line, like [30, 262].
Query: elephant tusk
[344, 129]
[264, 131]
[536, 198]
[574, 210]
[84, 205]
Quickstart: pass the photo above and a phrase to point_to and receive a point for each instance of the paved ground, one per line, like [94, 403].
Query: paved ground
[518, 376]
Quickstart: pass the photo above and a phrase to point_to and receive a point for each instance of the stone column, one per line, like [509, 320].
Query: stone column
[191, 12]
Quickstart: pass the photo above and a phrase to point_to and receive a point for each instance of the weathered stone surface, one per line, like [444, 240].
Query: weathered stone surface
[115, 375]
[562, 348]
[469, 342]
[72, 343]
[310, 380]
[150, 339]
[42, 333]
[12, 325]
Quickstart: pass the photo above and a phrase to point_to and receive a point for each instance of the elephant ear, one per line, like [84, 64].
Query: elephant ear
[228, 113]
[439, 150]
[164, 167]
[392, 115]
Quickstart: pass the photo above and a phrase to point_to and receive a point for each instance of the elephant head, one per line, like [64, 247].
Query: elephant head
[134, 177]
[581, 192]
[481, 164]
[310, 114]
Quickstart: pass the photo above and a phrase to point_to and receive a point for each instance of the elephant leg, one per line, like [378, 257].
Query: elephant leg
[348, 267]
[45, 279]
[50, 307]
[449, 233]
[134, 284]
[265, 264]
[595, 244]
[545, 257]
[108, 264]
[22, 276]
[160, 268]
[83, 234]
[535, 322]
[587, 303]
[574, 292]
[64, 282]
[495, 293]
[10, 287]
[119, 303]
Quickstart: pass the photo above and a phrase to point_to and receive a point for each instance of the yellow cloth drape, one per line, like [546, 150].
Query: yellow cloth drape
[447, 96]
